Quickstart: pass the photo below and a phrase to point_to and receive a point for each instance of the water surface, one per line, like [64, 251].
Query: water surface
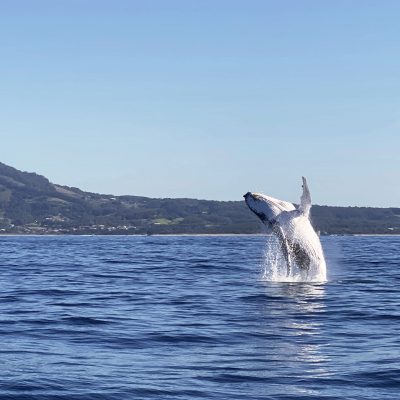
[191, 318]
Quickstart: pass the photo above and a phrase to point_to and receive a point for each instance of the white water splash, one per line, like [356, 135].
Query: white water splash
[274, 267]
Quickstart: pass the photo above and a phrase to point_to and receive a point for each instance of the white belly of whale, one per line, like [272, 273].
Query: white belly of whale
[300, 234]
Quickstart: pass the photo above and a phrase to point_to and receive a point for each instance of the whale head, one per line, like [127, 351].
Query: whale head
[265, 207]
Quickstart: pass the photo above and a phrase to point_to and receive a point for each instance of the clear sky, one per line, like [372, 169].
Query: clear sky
[206, 99]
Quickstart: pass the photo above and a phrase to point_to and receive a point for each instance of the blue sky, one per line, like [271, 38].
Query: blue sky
[205, 99]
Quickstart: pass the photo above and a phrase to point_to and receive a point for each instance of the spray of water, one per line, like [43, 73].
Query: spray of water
[274, 266]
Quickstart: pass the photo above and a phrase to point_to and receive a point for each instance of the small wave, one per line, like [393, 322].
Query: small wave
[84, 321]
[388, 378]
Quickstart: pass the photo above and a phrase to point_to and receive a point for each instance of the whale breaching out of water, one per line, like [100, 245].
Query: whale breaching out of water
[299, 243]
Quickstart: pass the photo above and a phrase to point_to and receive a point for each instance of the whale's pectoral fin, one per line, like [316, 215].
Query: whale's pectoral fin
[285, 248]
[305, 200]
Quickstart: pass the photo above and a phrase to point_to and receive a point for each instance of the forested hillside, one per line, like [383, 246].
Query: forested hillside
[29, 203]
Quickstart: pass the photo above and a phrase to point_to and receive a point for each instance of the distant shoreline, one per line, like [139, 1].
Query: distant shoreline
[183, 235]
[33, 206]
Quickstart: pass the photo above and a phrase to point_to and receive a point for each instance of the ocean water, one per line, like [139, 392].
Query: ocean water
[193, 318]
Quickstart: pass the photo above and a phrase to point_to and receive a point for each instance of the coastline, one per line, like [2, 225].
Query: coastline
[183, 234]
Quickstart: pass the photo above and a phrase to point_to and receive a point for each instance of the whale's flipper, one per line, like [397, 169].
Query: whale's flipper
[305, 199]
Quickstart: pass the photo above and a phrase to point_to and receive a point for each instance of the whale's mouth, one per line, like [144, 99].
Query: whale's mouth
[260, 207]
[251, 201]
[255, 200]
[254, 196]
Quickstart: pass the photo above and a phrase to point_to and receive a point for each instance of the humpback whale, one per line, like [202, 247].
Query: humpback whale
[299, 243]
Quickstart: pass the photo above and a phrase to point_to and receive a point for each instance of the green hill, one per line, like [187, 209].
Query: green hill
[30, 204]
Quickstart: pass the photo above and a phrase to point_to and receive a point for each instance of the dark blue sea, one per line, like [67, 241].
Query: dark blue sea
[191, 318]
